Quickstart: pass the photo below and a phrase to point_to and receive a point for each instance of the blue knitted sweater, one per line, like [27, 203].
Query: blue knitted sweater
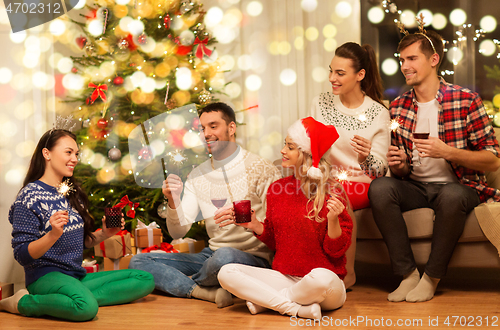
[29, 216]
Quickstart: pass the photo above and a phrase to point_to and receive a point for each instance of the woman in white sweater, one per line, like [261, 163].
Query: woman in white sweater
[354, 107]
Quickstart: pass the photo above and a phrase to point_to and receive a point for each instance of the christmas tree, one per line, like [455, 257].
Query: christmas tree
[143, 58]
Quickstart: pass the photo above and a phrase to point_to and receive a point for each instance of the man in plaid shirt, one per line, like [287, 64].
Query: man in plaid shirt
[444, 172]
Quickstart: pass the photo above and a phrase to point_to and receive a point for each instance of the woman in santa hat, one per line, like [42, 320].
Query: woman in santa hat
[308, 227]
[354, 106]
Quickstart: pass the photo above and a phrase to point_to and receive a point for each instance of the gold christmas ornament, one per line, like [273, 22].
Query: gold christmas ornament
[90, 48]
[123, 43]
[205, 97]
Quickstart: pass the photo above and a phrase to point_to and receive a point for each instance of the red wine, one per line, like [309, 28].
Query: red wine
[218, 203]
[421, 135]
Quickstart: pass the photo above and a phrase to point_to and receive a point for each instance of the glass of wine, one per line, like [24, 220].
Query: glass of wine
[219, 196]
[422, 131]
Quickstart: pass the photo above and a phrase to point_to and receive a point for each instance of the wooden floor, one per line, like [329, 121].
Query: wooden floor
[469, 297]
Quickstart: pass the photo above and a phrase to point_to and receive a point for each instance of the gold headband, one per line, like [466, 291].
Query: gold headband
[421, 30]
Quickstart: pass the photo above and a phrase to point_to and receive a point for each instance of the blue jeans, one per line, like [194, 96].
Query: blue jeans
[171, 271]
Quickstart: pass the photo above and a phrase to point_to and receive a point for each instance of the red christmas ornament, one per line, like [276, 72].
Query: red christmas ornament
[74, 70]
[196, 124]
[88, 100]
[167, 21]
[81, 41]
[118, 81]
[131, 45]
[102, 123]
[145, 154]
[92, 14]
[101, 135]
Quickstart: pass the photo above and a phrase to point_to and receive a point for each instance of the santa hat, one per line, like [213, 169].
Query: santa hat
[314, 138]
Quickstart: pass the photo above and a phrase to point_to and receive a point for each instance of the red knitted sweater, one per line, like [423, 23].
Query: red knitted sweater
[302, 244]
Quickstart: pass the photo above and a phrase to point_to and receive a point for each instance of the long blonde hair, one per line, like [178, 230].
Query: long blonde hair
[317, 189]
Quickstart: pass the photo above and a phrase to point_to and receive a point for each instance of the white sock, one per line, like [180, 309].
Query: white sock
[10, 304]
[409, 282]
[312, 311]
[424, 290]
[254, 308]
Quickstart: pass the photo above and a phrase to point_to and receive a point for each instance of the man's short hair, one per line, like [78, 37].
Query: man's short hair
[227, 112]
[425, 45]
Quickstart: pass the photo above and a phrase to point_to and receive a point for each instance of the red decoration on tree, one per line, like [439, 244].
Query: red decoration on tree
[81, 41]
[183, 50]
[177, 136]
[99, 91]
[74, 70]
[92, 14]
[166, 20]
[102, 123]
[142, 39]
[131, 45]
[202, 48]
[101, 135]
[118, 81]
[125, 201]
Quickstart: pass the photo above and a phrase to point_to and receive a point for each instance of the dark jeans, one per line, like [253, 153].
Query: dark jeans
[451, 202]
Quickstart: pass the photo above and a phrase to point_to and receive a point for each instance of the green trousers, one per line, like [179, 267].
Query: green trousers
[65, 297]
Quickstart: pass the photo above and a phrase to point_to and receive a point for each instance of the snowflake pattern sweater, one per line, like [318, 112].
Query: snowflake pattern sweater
[29, 216]
[302, 244]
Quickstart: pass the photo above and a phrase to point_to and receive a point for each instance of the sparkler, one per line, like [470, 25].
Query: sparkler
[65, 188]
[394, 126]
[177, 158]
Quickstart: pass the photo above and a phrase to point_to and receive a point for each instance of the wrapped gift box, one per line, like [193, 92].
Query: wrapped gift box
[6, 290]
[188, 245]
[114, 247]
[116, 264]
[90, 266]
[147, 237]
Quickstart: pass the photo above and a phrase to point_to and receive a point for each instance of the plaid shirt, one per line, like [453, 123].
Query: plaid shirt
[462, 124]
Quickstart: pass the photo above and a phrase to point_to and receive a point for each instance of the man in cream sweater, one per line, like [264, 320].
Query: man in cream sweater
[239, 173]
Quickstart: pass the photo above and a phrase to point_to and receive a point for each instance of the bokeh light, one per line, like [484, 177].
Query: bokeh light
[312, 33]
[329, 31]
[5, 75]
[408, 18]
[253, 82]
[57, 27]
[390, 66]
[319, 74]
[18, 37]
[288, 77]
[254, 8]
[376, 15]
[343, 9]
[330, 45]
[454, 55]
[428, 16]
[439, 21]
[458, 17]
[309, 5]
[245, 62]
[183, 78]
[488, 23]
[487, 47]
[213, 16]
[226, 63]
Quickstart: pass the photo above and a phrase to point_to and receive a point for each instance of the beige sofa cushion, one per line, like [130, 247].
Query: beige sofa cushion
[419, 223]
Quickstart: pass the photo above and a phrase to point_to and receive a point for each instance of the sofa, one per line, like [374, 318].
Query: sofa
[474, 248]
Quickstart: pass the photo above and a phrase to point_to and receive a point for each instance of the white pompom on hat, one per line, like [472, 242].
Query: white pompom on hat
[314, 138]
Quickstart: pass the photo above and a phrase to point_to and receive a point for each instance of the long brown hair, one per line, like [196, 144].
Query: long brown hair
[363, 57]
[78, 199]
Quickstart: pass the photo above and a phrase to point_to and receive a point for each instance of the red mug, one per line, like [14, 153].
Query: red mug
[242, 211]
[113, 217]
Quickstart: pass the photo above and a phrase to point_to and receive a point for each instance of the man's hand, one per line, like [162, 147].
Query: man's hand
[396, 159]
[432, 147]
[172, 189]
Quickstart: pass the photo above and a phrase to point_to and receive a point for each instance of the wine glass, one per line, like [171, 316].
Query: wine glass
[422, 131]
[219, 196]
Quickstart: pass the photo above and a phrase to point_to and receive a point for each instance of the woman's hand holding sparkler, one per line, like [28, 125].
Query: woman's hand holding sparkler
[57, 221]
[361, 146]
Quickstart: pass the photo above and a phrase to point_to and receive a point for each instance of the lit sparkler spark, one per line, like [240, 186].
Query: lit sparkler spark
[394, 125]
[342, 176]
[65, 188]
[178, 157]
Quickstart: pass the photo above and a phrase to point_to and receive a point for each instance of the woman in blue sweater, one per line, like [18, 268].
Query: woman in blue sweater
[50, 231]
